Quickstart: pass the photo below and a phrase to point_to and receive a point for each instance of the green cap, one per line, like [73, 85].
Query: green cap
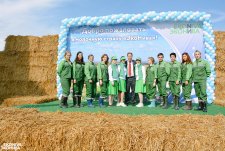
[114, 58]
[138, 58]
[122, 58]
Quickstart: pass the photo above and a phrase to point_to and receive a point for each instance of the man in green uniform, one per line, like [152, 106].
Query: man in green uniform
[163, 72]
[90, 71]
[65, 73]
[103, 78]
[201, 70]
[151, 76]
[78, 79]
[174, 79]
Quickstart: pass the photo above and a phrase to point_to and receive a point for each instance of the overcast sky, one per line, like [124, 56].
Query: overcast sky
[43, 17]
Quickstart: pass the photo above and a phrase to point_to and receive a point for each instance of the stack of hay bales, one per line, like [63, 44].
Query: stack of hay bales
[58, 131]
[220, 68]
[28, 67]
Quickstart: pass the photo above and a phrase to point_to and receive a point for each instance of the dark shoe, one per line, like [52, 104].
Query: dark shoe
[188, 105]
[204, 107]
[176, 103]
[61, 102]
[79, 102]
[65, 104]
[165, 101]
[200, 106]
[75, 100]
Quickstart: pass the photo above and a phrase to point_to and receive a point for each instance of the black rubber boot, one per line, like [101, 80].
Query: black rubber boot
[65, 103]
[176, 105]
[75, 102]
[165, 106]
[200, 106]
[204, 107]
[79, 102]
[61, 104]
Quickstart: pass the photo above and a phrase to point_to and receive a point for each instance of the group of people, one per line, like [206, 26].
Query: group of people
[127, 77]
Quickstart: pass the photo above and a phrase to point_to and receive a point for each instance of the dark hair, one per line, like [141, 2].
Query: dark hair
[160, 54]
[173, 54]
[152, 59]
[107, 58]
[129, 53]
[77, 59]
[188, 58]
[91, 55]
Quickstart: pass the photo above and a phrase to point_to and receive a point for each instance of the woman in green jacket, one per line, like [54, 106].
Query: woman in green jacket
[151, 77]
[78, 79]
[90, 71]
[65, 73]
[103, 78]
[186, 79]
[122, 82]
[140, 88]
[113, 80]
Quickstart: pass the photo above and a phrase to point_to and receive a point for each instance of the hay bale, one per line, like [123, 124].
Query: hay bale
[20, 100]
[100, 131]
[28, 66]
[220, 68]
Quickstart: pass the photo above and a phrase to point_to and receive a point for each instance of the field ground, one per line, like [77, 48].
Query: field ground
[130, 110]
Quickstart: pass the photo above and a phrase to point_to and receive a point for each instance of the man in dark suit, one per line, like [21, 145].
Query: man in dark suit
[130, 80]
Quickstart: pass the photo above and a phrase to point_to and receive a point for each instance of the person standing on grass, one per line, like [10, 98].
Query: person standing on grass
[78, 79]
[174, 79]
[151, 77]
[140, 74]
[65, 73]
[122, 81]
[103, 78]
[201, 70]
[130, 80]
[113, 80]
[90, 71]
[186, 79]
[163, 72]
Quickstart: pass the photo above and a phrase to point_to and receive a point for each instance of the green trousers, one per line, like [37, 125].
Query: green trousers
[150, 91]
[175, 89]
[200, 90]
[90, 90]
[162, 87]
[65, 83]
[104, 89]
[78, 87]
[187, 90]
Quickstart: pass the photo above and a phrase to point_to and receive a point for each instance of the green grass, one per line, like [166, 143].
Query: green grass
[130, 110]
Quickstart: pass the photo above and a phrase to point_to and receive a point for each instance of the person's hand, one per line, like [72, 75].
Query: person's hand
[154, 83]
[112, 83]
[167, 85]
[100, 82]
[186, 82]
[90, 81]
[177, 82]
[74, 81]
